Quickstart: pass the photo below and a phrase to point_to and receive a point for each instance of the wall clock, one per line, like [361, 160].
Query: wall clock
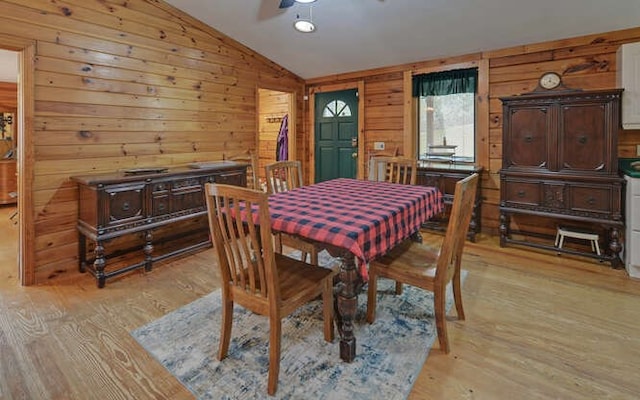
[550, 80]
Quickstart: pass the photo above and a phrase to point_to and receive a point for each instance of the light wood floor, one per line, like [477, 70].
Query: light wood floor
[538, 326]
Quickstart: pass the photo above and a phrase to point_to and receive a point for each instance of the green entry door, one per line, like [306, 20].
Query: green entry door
[336, 134]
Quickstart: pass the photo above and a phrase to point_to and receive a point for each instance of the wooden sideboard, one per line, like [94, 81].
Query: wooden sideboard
[444, 176]
[559, 162]
[114, 205]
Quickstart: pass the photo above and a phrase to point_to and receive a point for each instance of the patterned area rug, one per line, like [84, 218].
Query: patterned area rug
[390, 352]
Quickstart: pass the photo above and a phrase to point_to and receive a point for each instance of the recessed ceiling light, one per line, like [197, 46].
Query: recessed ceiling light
[305, 26]
[305, 1]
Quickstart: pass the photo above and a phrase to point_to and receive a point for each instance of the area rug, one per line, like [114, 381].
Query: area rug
[390, 352]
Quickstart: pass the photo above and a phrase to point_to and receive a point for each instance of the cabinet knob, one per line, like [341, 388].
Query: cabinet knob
[125, 206]
[521, 193]
[582, 139]
[528, 139]
[591, 201]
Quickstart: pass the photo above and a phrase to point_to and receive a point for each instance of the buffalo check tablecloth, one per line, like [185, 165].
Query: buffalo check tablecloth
[367, 218]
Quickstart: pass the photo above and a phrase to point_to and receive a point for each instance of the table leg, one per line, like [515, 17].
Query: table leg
[346, 305]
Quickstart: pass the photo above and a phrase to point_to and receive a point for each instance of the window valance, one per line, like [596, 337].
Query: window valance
[445, 82]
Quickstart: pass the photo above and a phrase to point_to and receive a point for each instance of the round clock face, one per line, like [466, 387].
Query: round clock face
[550, 80]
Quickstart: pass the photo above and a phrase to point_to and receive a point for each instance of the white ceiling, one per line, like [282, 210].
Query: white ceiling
[354, 35]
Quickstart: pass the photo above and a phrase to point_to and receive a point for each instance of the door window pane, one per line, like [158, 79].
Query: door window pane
[336, 108]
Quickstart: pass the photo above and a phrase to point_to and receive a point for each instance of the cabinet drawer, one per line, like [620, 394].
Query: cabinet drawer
[592, 199]
[633, 212]
[522, 193]
[238, 178]
[633, 186]
[160, 198]
[632, 252]
[186, 195]
[124, 204]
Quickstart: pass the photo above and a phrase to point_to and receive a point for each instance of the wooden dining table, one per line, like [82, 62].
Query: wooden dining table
[356, 221]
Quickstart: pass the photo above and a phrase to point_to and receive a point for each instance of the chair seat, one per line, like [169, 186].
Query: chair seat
[410, 262]
[298, 278]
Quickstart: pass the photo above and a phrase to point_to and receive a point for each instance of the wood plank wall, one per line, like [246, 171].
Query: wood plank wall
[587, 62]
[128, 84]
[8, 97]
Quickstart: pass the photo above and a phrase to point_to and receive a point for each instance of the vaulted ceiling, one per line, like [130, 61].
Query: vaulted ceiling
[354, 35]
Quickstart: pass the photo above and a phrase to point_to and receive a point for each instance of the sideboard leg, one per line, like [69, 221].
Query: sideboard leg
[504, 229]
[616, 247]
[82, 252]
[148, 250]
[99, 264]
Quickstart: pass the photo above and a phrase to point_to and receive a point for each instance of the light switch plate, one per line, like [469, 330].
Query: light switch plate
[638, 149]
[380, 146]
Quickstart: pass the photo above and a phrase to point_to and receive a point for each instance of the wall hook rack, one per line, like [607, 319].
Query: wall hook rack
[273, 119]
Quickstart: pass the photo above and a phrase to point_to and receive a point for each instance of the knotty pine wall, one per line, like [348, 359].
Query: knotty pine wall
[8, 97]
[587, 62]
[127, 84]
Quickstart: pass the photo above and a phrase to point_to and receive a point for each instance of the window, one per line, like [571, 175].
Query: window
[446, 115]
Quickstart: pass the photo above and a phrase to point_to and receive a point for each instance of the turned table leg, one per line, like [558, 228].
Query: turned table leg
[346, 305]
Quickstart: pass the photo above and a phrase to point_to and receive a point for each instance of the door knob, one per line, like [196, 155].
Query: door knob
[354, 155]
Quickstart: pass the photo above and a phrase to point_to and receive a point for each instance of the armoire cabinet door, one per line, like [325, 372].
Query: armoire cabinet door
[584, 138]
[528, 137]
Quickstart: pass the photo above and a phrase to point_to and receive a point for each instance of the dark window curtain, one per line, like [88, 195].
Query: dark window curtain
[445, 82]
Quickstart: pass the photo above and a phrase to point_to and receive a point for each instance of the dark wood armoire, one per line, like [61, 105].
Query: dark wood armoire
[559, 161]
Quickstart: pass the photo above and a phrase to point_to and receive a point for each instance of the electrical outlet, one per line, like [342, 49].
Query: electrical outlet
[380, 146]
[638, 149]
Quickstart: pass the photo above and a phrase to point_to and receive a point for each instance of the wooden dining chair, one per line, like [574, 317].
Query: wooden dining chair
[282, 176]
[250, 158]
[256, 277]
[395, 169]
[418, 265]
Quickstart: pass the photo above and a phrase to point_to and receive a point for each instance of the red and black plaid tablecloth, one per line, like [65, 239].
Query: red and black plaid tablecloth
[365, 217]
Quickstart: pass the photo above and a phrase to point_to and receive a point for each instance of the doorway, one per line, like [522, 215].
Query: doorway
[276, 118]
[9, 67]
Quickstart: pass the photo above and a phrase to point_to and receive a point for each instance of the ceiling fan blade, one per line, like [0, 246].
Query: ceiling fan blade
[287, 3]
[269, 9]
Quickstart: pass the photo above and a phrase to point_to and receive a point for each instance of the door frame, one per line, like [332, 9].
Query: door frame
[359, 86]
[25, 154]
